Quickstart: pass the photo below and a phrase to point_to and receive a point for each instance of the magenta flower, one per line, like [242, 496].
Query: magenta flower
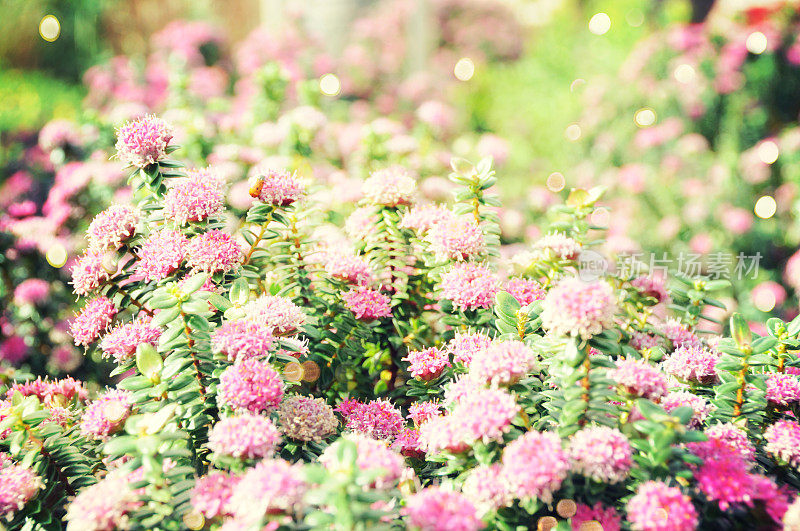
[389, 187]
[31, 291]
[13, 349]
[196, 197]
[90, 272]
[104, 506]
[503, 363]
[601, 453]
[437, 509]
[107, 414]
[250, 385]
[161, 254]
[658, 507]
[122, 341]
[525, 290]
[699, 405]
[607, 517]
[651, 287]
[535, 465]
[143, 141]
[427, 364]
[278, 314]
[639, 378]
[367, 304]
[378, 419]
[211, 494]
[407, 443]
[50, 392]
[242, 339]
[213, 251]
[783, 389]
[455, 239]
[576, 308]
[112, 227]
[95, 318]
[278, 187]
[469, 286]
[692, 363]
[678, 334]
[244, 436]
[486, 414]
[306, 419]
[731, 436]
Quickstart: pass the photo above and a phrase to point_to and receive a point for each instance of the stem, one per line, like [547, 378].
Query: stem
[258, 239]
[61, 479]
[586, 384]
[136, 303]
[195, 361]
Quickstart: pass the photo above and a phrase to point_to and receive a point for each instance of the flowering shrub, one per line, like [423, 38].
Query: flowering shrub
[261, 385]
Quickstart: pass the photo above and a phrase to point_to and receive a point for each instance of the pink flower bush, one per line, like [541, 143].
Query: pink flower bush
[639, 378]
[273, 485]
[455, 239]
[371, 455]
[212, 493]
[161, 254]
[306, 419]
[18, 485]
[367, 304]
[469, 286]
[95, 318]
[278, 187]
[143, 141]
[428, 363]
[526, 291]
[105, 505]
[378, 418]
[121, 342]
[112, 227]
[601, 453]
[607, 517]
[503, 363]
[352, 269]
[242, 339]
[783, 389]
[782, 442]
[692, 363]
[389, 187]
[90, 272]
[486, 488]
[107, 414]
[213, 252]
[278, 314]
[31, 291]
[464, 346]
[194, 198]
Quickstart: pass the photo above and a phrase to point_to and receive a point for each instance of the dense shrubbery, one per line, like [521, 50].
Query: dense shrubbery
[311, 316]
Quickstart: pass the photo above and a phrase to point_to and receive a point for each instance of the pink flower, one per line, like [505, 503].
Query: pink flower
[731, 436]
[486, 488]
[367, 304]
[371, 455]
[273, 485]
[250, 385]
[143, 141]
[783, 442]
[212, 493]
[639, 378]
[601, 453]
[525, 290]
[196, 197]
[783, 389]
[486, 414]
[692, 363]
[378, 419]
[161, 254]
[306, 419]
[279, 188]
[421, 218]
[18, 485]
[121, 342]
[535, 465]
[607, 517]
[464, 347]
[242, 339]
[213, 251]
[389, 187]
[576, 308]
[31, 291]
[658, 507]
[455, 239]
[469, 286]
[699, 405]
[95, 317]
[361, 223]
[442, 433]
[107, 414]
[651, 287]
[503, 363]
[244, 436]
[427, 364]
[421, 412]
[352, 269]
[768, 295]
[51, 393]
[678, 333]
[436, 509]
[90, 272]
[556, 246]
[104, 506]
[278, 314]
[112, 227]
[13, 349]
[408, 444]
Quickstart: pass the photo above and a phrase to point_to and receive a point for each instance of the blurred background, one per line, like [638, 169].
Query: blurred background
[686, 111]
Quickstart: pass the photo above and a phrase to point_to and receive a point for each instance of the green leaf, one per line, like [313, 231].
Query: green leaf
[194, 283]
[148, 361]
[166, 316]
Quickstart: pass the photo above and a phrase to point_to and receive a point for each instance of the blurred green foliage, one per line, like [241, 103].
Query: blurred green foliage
[30, 99]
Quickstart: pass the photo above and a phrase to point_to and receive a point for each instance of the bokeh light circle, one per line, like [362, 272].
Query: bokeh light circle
[765, 207]
[600, 23]
[49, 28]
